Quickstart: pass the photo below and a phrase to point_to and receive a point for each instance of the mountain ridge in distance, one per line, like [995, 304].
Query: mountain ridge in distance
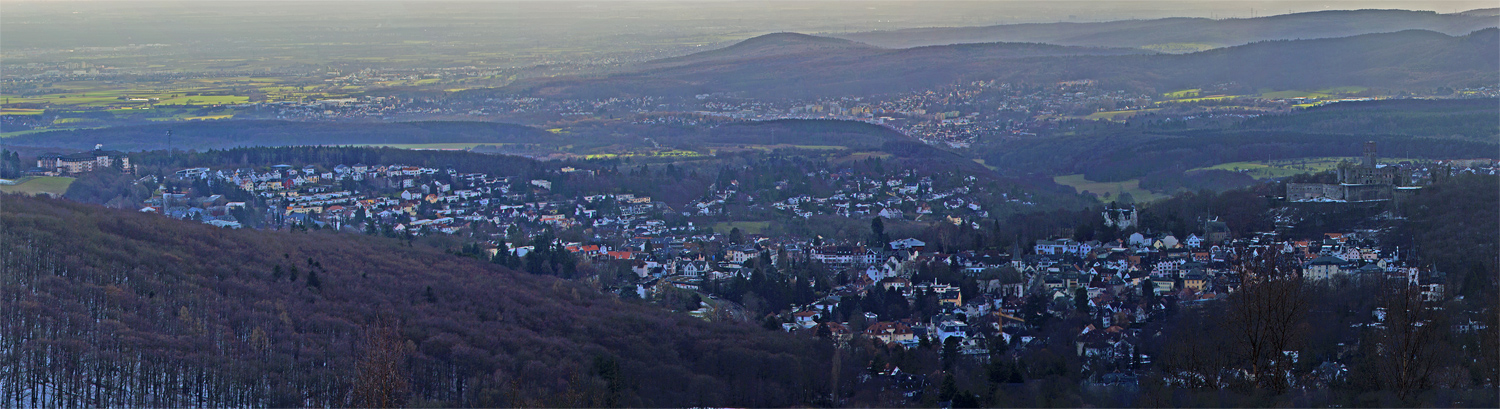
[1187, 33]
[767, 45]
[1411, 58]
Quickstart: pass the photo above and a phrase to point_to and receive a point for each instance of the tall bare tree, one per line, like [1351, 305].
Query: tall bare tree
[382, 380]
[1410, 342]
[1266, 317]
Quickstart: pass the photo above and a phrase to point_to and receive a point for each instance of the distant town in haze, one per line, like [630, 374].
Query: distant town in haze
[750, 203]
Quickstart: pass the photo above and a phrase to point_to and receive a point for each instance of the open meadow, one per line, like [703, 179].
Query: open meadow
[1108, 191]
[49, 185]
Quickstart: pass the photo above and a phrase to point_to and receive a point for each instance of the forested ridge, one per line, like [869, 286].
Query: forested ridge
[115, 308]
[1115, 156]
[1475, 119]
[227, 134]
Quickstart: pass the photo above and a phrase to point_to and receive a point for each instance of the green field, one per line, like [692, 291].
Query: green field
[1288, 167]
[51, 185]
[669, 153]
[207, 100]
[1117, 115]
[1108, 191]
[1186, 93]
[1337, 92]
[745, 227]
[191, 92]
[1195, 95]
[40, 130]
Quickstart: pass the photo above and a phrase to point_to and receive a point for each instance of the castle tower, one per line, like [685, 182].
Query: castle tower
[1370, 154]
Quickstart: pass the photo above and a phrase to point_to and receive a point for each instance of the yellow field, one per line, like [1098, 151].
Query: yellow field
[788, 146]
[1108, 191]
[1187, 93]
[209, 91]
[457, 145]
[1207, 98]
[50, 185]
[1293, 94]
[206, 100]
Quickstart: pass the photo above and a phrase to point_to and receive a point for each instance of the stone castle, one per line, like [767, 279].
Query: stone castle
[1367, 181]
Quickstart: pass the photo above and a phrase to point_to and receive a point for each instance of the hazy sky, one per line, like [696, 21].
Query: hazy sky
[544, 30]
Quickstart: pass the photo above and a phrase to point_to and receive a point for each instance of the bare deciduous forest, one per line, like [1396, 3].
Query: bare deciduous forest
[115, 308]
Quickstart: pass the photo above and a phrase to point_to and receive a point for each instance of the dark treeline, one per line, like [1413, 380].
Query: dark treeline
[1173, 180]
[804, 132]
[1121, 154]
[115, 308]
[10, 164]
[227, 134]
[1476, 119]
[1452, 227]
[1433, 129]
[110, 187]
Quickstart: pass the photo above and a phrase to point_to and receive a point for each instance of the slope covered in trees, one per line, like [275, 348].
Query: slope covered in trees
[1422, 129]
[1477, 119]
[117, 308]
[1452, 228]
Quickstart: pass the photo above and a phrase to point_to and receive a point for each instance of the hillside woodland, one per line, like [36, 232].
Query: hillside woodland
[116, 308]
[1451, 129]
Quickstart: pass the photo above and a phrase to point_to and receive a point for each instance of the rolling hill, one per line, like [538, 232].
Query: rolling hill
[784, 65]
[770, 45]
[119, 308]
[1190, 34]
[1397, 60]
